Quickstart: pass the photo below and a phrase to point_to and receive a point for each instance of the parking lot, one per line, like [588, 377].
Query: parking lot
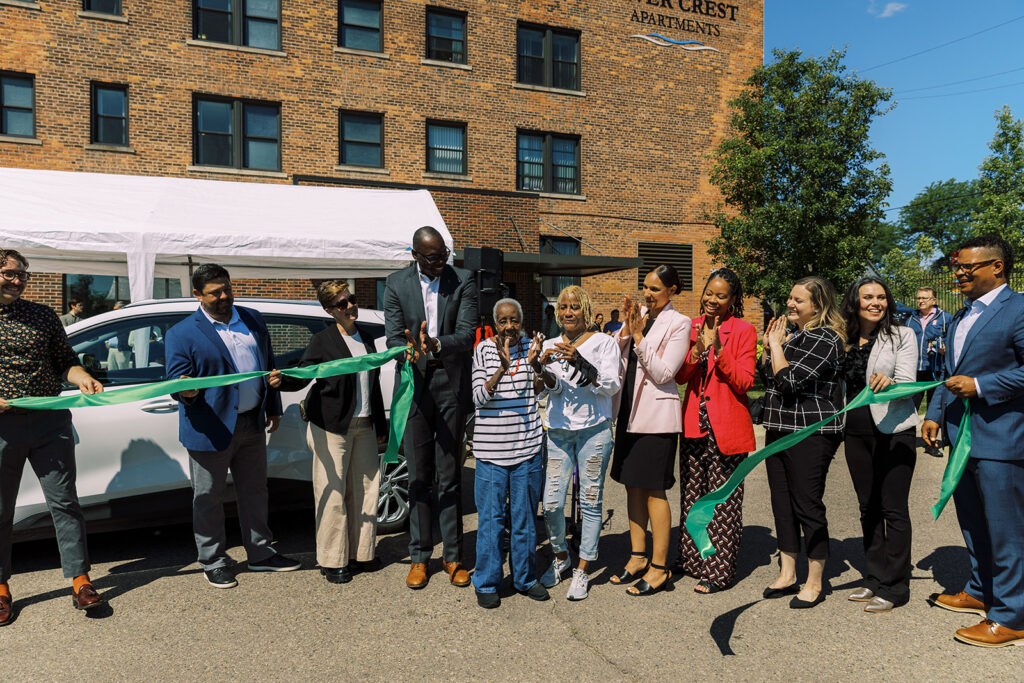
[163, 620]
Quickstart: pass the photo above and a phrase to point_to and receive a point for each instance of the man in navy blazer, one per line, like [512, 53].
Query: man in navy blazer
[985, 363]
[223, 427]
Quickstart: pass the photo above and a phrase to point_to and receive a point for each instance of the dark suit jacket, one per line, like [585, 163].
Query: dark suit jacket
[993, 354]
[456, 325]
[332, 400]
[193, 347]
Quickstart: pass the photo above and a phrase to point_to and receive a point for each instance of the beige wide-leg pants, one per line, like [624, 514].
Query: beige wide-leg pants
[346, 482]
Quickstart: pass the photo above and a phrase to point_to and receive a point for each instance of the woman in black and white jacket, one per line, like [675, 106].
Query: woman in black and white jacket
[880, 441]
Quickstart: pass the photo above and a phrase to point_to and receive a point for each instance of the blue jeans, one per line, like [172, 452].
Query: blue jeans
[493, 485]
[589, 450]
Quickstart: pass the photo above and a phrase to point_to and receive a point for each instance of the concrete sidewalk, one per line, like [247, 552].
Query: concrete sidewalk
[165, 622]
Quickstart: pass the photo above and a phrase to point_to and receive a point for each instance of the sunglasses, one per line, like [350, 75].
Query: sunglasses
[434, 258]
[343, 303]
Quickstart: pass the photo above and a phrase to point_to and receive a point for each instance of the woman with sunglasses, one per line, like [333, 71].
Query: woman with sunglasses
[347, 427]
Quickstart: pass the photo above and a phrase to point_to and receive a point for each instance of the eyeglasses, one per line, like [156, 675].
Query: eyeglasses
[12, 275]
[434, 258]
[925, 298]
[969, 268]
[342, 303]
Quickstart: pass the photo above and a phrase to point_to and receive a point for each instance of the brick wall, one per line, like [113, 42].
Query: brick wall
[647, 118]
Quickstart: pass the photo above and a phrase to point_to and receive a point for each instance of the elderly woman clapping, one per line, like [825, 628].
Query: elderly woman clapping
[507, 444]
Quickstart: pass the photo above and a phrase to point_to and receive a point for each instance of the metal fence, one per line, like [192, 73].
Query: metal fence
[946, 290]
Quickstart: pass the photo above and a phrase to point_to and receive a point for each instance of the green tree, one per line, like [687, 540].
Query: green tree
[803, 190]
[903, 270]
[943, 212]
[1001, 204]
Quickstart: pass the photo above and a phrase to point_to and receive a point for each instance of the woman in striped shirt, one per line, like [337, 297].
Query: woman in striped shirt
[507, 443]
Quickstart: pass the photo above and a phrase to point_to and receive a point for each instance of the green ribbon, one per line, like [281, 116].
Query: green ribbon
[704, 509]
[400, 403]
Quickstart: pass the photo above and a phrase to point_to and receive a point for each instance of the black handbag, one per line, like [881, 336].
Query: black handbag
[757, 410]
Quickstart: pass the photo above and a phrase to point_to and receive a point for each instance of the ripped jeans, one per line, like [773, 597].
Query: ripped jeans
[590, 449]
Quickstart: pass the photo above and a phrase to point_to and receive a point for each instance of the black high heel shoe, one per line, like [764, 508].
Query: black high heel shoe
[626, 577]
[644, 588]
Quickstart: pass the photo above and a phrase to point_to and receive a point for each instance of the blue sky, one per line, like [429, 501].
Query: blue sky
[931, 138]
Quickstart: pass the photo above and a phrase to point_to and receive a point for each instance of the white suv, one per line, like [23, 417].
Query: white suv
[133, 471]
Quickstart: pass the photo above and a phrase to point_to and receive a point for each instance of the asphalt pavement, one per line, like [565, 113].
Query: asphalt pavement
[164, 621]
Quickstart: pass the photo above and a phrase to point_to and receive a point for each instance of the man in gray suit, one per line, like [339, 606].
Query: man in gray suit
[438, 303]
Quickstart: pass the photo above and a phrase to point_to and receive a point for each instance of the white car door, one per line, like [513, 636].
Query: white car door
[123, 450]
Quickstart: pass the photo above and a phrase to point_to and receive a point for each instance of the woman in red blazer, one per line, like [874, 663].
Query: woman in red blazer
[717, 430]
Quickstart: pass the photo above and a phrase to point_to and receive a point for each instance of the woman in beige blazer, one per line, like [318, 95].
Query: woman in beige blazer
[880, 441]
[654, 340]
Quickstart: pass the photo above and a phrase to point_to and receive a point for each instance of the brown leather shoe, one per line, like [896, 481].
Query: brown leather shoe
[6, 610]
[961, 602]
[87, 597]
[989, 634]
[457, 574]
[417, 576]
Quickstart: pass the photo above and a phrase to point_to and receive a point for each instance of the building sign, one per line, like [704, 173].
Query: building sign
[695, 17]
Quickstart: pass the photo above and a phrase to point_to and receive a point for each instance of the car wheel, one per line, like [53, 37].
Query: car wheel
[393, 501]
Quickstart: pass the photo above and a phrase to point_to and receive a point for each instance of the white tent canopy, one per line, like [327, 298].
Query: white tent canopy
[146, 227]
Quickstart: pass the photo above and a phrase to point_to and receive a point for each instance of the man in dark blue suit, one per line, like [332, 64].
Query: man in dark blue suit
[985, 361]
[223, 427]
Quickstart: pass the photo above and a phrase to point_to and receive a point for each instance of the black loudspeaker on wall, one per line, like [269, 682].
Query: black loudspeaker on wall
[488, 264]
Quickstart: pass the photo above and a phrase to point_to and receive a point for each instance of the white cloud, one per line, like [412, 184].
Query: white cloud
[890, 9]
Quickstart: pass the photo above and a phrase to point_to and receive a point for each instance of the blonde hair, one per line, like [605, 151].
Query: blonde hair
[586, 308]
[329, 290]
[823, 298]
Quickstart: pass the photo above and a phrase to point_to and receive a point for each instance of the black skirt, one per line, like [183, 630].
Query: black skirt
[644, 461]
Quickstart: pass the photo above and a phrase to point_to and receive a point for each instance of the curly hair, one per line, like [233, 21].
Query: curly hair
[14, 255]
[735, 288]
[586, 307]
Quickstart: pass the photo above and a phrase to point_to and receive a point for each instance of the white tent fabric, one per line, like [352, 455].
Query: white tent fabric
[146, 227]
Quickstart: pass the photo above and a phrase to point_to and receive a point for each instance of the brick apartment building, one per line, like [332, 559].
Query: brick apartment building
[578, 128]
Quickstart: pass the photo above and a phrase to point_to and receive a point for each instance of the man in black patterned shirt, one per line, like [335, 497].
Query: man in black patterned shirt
[35, 357]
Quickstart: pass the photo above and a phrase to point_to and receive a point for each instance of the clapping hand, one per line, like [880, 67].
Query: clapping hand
[776, 332]
[708, 336]
[503, 353]
[533, 355]
[566, 352]
[635, 323]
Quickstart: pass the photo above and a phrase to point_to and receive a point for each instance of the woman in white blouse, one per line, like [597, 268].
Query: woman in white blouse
[581, 374]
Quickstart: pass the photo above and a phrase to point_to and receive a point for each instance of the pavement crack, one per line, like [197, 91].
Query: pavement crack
[578, 637]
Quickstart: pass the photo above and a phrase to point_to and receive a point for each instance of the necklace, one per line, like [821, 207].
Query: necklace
[519, 357]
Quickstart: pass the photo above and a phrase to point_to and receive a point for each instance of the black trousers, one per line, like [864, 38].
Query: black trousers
[433, 440]
[882, 466]
[796, 477]
[924, 376]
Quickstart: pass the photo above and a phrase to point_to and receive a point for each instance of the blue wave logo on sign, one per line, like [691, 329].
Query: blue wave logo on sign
[662, 41]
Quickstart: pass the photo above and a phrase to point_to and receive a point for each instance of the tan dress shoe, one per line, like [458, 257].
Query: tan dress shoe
[989, 634]
[86, 597]
[6, 610]
[457, 574]
[417, 577]
[961, 602]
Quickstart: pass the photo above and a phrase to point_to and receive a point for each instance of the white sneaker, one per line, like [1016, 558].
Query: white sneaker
[554, 572]
[578, 588]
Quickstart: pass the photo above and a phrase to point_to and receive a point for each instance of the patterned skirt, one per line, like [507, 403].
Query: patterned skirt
[702, 469]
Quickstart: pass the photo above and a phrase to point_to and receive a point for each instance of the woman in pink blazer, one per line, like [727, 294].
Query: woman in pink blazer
[717, 429]
[654, 341]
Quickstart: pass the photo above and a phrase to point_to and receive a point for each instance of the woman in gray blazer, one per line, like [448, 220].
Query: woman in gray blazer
[880, 440]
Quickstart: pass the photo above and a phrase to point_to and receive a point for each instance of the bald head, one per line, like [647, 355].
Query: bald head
[426, 237]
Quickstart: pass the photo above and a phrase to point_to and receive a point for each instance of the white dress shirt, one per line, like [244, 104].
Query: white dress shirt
[245, 354]
[429, 290]
[976, 308]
